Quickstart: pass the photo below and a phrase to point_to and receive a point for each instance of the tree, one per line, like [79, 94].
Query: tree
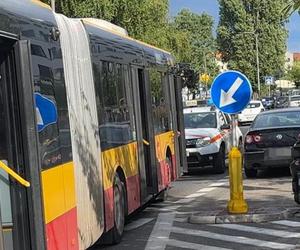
[240, 22]
[291, 6]
[294, 74]
[145, 20]
[202, 46]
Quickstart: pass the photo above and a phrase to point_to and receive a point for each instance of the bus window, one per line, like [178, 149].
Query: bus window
[113, 113]
[159, 102]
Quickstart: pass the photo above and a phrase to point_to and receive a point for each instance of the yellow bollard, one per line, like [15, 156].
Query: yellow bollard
[236, 204]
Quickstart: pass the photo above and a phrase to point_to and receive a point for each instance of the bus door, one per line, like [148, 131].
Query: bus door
[16, 230]
[145, 133]
[180, 124]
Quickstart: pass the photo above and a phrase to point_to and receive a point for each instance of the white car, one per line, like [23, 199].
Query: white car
[294, 101]
[250, 112]
[208, 137]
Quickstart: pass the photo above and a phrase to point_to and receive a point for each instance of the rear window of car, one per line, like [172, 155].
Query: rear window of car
[200, 120]
[253, 105]
[278, 119]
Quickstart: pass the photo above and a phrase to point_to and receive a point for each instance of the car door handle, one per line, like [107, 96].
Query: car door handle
[14, 175]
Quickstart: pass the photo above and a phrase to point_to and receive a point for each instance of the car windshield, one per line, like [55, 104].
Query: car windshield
[200, 120]
[252, 105]
[278, 119]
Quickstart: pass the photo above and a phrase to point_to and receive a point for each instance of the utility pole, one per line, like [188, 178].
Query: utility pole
[205, 72]
[257, 63]
[257, 53]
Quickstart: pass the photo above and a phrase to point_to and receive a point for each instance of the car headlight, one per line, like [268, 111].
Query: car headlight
[203, 142]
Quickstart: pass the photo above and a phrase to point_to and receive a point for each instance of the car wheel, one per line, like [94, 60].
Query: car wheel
[219, 161]
[295, 184]
[114, 236]
[250, 172]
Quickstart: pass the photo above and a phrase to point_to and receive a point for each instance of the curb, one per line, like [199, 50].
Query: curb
[242, 218]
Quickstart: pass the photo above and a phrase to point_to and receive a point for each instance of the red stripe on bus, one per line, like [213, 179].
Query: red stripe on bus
[166, 174]
[109, 208]
[62, 232]
[133, 193]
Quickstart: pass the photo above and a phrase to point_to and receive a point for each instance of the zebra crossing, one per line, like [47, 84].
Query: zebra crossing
[171, 233]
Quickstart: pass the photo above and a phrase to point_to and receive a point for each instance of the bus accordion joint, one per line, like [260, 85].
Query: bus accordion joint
[14, 175]
[146, 142]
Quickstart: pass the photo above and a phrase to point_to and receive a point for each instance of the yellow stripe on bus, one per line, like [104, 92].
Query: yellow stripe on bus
[162, 141]
[123, 156]
[58, 190]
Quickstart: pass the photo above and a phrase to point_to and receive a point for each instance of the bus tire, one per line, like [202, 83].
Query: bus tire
[115, 234]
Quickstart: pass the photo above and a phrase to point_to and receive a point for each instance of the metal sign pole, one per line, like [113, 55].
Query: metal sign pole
[234, 124]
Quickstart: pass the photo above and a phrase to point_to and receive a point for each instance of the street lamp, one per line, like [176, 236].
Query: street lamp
[257, 57]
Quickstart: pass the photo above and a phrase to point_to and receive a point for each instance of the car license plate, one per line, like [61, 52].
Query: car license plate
[280, 152]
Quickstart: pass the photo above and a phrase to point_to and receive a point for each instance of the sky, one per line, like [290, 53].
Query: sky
[211, 7]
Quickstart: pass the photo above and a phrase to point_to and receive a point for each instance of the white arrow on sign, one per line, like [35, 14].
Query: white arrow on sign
[227, 97]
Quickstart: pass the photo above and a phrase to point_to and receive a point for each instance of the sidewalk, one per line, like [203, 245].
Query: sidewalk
[268, 199]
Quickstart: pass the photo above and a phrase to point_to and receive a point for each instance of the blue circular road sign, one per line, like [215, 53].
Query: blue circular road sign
[231, 92]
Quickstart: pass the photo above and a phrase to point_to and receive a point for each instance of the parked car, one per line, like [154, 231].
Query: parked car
[268, 102]
[269, 140]
[208, 137]
[294, 101]
[250, 112]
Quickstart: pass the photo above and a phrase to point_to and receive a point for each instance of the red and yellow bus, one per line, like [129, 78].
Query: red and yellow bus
[89, 127]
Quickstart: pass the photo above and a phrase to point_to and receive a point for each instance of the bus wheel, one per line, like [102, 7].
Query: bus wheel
[163, 195]
[119, 210]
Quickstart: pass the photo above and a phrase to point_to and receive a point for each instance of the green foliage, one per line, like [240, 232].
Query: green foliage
[294, 74]
[202, 47]
[240, 22]
[291, 6]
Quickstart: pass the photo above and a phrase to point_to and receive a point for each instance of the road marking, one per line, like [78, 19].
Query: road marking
[181, 220]
[163, 209]
[205, 190]
[138, 223]
[184, 200]
[194, 246]
[218, 184]
[272, 232]
[235, 239]
[161, 232]
[225, 179]
[195, 195]
[287, 223]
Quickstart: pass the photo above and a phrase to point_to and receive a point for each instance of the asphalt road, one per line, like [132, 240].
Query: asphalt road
[164, 225]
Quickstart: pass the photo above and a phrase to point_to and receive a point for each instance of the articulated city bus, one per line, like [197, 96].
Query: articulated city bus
[90, 123]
